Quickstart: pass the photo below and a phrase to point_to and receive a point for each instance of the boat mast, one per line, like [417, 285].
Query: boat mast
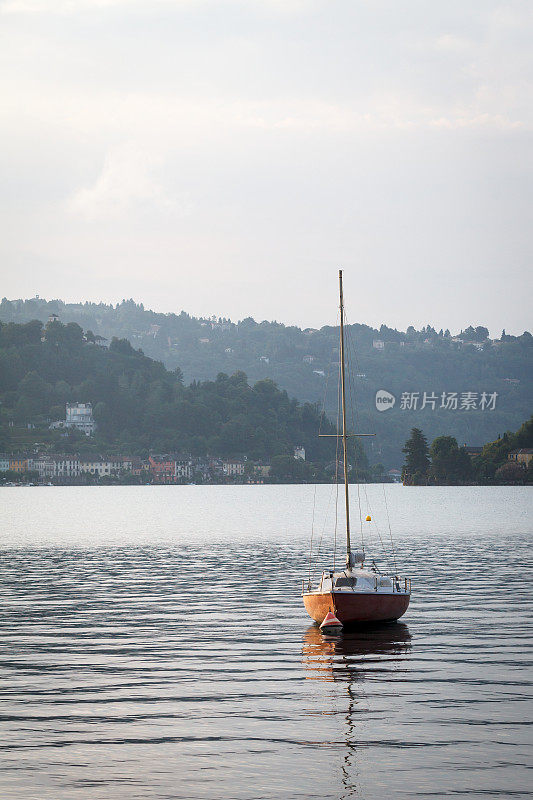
[349, 557]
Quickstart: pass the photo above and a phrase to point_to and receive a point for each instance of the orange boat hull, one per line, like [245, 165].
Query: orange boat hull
[355, 607]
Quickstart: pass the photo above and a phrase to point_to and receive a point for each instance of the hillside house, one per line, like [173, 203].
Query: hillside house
[522, 456]
[472, 451]
[78, 416]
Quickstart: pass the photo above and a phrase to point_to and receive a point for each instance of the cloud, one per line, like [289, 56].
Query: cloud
[304, 131]
[126, 183]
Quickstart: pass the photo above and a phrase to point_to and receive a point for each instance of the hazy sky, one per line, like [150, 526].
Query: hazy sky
[227, 157]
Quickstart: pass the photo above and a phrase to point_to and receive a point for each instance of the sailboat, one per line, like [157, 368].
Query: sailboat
[354, 595]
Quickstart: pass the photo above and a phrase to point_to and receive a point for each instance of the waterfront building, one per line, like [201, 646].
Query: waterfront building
[18, 464]
[170, 468]
[232, 467]
[137, 466]
[67, 466]
[46, 468]
[182, 466]
[4, 463]
[262, 470]
[101, 466]
[162, 468]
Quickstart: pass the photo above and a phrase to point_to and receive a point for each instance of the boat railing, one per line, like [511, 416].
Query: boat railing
[406, 586]
[307, 587]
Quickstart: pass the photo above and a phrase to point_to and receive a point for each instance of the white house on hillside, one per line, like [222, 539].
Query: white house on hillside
[79, 416]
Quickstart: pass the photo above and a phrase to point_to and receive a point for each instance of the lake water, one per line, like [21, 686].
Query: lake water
[153, 644]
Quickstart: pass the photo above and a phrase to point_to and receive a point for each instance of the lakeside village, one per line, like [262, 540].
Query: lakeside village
[44, 468]
[444, 462]
[76, 469]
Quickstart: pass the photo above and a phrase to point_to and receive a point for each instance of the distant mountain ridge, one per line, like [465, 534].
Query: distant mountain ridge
[418, 368]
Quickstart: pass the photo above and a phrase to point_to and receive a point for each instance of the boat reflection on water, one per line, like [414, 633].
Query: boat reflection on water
[345, 656]
[350, 659]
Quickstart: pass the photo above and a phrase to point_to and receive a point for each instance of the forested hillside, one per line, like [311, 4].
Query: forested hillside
[138, 404]
[304, 362]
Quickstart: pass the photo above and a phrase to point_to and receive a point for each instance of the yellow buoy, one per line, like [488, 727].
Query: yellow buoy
[369, 518]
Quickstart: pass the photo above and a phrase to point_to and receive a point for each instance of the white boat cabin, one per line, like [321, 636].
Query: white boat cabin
[359, 579]
[362, 580]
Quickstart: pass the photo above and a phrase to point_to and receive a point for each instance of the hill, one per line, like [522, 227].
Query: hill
[139, 405]
[406, 364]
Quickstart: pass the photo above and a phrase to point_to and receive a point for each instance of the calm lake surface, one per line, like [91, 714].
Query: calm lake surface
[153, 644]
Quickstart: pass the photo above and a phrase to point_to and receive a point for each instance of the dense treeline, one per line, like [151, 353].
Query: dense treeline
[445, 462]
[493, 463]
[300, 361]
[140, 406]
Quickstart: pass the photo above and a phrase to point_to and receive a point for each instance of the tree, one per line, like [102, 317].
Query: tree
[449, 462]
[495, 454]
[377, 473]
[416, 467]
[35, 391]
[121, 346]
[478, 334]
[511, 472]
[287, 468]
